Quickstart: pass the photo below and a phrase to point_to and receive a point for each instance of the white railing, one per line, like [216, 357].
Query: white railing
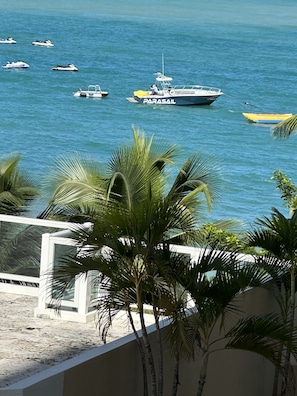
[78, 303]
[21, 284]
[191, 88]
[38, 222]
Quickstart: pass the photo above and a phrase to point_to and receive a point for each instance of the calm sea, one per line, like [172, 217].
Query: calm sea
[245, 48]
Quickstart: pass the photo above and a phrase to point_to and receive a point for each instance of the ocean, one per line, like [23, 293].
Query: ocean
[245, 48]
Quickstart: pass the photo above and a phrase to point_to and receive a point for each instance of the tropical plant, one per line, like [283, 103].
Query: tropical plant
[73, 189]
[287, 188]
[215, 285]
[278, 237]
[135, 215]
[16, 189]
[285, 129]
[224, 235]
[18, 250]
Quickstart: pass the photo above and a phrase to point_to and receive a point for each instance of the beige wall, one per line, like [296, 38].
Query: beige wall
[114, 369]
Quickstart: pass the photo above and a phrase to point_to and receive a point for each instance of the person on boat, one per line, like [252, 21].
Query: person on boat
[154, 89]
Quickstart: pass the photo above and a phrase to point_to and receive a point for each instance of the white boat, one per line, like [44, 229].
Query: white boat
[162, 92]
[46, 43]
[9, 40]
[16, 65]
[69, 67]
[93, 91]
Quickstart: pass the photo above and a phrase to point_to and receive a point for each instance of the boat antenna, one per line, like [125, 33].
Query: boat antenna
[163, 68]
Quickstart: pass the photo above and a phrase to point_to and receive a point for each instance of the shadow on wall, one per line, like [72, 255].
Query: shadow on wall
[115, 369]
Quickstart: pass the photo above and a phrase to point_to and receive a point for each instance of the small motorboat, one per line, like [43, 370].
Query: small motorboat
[16, 65]
[69, 67]
[266, 118]
[46, 43]
[9, 40]
[162, 92]
[93, 91]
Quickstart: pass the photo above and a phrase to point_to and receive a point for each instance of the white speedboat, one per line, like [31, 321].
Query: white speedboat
[16, 65]
[46, 43]
[93, 91]
[69, 67]
[9, 40]
[162, 92]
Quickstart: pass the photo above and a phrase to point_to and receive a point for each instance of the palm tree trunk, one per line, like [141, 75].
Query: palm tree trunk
[175, 376]
[146, 340]
[291, 322]
[160, 353]
[148, 349]
[203, 374]
[277, 374]
[141, 352]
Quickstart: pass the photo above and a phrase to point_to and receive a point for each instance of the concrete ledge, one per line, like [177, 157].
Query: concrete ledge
[19, 284]
[52, 381]
[52, 313]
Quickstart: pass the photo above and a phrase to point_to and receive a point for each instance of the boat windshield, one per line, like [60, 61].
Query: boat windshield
[163, 80]
[95, 88]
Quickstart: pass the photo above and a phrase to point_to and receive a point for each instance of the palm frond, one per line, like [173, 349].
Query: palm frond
[263, 335]
[198, 175]
[16, 189]
[182, 336]
[73, 180]
[277, 235]
[284, 129]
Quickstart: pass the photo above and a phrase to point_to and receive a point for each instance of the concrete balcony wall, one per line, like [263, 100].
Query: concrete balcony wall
[115, 369]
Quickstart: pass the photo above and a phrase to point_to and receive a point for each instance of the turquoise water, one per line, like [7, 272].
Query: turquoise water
[246, 49]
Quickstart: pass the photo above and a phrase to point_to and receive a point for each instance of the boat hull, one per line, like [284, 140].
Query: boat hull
[175, 100]
[87, 94]
[266, 118]
[42, 44]
[8, 40]
[74, 69]
[16, 65]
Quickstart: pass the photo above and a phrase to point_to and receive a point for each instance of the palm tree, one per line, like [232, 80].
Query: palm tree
[215, 284]
[16, 189]
[278, 237]
[16, 194]
[76, 185]
[284, 129]
[135, 215]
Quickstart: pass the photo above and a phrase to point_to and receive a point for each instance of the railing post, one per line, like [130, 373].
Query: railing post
[46, 266]
[82, 286]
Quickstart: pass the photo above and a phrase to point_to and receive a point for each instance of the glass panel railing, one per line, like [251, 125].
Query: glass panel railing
[20, 248]
[60, 252]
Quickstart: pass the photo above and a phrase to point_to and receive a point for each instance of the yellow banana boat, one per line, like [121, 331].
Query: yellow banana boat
[266, 118]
